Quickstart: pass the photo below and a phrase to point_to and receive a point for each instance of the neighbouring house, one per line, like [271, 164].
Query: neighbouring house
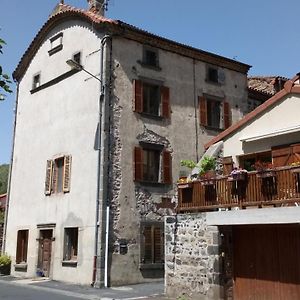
[97, 147]
[237, 235]
[261, 88]
[2, 211]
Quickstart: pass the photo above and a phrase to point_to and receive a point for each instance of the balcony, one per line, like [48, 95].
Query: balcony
[276, 187]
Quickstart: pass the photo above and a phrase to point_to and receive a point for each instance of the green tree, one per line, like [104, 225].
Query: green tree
[4, 78]
[3, 178]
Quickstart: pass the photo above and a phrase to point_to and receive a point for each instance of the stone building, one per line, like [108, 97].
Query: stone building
[97, 147]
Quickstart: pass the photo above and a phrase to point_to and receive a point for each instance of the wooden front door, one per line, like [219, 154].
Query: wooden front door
[266, 262]
[45, 246]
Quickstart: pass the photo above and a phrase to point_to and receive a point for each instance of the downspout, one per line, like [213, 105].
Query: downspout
[100, 156]
[10, 170]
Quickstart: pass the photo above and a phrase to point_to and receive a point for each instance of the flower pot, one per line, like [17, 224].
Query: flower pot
[5, 270]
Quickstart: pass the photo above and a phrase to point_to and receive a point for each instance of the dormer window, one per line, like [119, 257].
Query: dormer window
[36, 82]
[56, 43]
[150, 58]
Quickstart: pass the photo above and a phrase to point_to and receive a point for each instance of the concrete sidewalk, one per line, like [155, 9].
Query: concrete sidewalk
[143, 291]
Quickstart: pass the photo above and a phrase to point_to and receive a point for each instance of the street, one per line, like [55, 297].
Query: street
[16, 289]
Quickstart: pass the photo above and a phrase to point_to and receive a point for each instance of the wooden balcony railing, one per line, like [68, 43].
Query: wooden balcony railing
[273, 188]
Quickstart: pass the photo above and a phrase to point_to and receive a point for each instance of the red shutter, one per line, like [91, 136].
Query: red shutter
[67, 173]
[48, 180]
[138, 96]
[138, 164]
[226, 111]
[167, 167]
[281, 156]
[203, 111]
[296, 152]
[165, 98]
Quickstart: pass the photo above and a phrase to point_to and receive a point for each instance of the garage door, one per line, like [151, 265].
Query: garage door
[266, 262]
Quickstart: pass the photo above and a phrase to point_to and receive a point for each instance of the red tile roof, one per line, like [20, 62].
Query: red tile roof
[63, 12]
[265, 84]
[290, 87]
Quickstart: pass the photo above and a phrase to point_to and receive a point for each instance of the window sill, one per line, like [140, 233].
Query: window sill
[69, 263]
[213, 82]
[214, 128]
[155, 266]
[150, 116]
[55, 50]
[21, 267]
[144, 65]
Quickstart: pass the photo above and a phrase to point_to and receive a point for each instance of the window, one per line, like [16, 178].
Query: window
[212, 75]
[71, 244]
[36, 82]
[22, 245]
[214, 112]
[152, 244]
[152, 164]
[58, 172]
[56, 43]
[77, 57]
[150, 57]
[151, 99]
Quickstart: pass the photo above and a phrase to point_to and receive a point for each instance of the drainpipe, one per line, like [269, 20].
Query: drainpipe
[100, 156]
[10, 169]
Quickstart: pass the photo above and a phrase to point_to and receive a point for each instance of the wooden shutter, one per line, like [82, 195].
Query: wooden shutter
[165, 98]
[138, 164]
[67, 174]
[147, 257]
[203, 111]
[295, 153]
[138, 96]
[226, 112]
[281, 156]
[49, 174]
[167, 167]
[227, 165]
[158, 245]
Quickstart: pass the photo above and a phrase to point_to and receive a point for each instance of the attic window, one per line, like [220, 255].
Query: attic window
[150, 58]
[36, 82]
[56, 44]
[212, 75]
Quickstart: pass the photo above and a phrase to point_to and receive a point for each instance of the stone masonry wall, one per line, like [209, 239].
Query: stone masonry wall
[192, 265]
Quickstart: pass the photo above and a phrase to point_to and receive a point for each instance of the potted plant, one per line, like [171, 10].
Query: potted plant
[185, 181]
[208, 170]
[237, 174]
[264, 169]
[5, 262]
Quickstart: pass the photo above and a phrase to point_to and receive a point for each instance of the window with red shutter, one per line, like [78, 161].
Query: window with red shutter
[226, 112]
[167, 167]
[138, 164]
[138, 96]
[165, 96]
[203, 111]
[22, 245]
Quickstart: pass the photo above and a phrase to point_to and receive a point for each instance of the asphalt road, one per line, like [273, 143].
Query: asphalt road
[11, 289]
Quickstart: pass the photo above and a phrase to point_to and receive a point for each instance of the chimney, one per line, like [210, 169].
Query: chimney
[97, 6]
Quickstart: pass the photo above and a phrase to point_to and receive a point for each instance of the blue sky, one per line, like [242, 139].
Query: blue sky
[264, 34]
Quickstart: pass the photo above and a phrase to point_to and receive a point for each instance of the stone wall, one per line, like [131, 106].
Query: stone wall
[192, 266]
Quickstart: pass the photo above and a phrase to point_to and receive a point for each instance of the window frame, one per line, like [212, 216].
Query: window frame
[59, 46]
[71, 246]
[52, 175]
[164, 109]
[36, 83]
[22, 246]
[153, 247]
[145, 61]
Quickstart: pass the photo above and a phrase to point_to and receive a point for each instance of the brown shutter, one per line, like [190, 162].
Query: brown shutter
[167, 167]
[226, 112]
[67, 174]
[281, 156]
[48, 180]
[148, 245]
[203, 111]
[158, 245]
[227, 165]
[138, 95]
[138, 164]
[165, 98]
[296, 153]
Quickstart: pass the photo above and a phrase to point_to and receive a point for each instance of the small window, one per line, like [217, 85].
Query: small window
[152, 244]
[214, 112]
[36, 82]
[22, 246]
[153, 164]
[71, 244]
[212, 75]
[56, 43]
[151, 99]
[77, 57]
[58, 173]
[150, 57]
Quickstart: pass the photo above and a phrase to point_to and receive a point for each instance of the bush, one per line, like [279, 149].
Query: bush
[208, 163]
[4, 260]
